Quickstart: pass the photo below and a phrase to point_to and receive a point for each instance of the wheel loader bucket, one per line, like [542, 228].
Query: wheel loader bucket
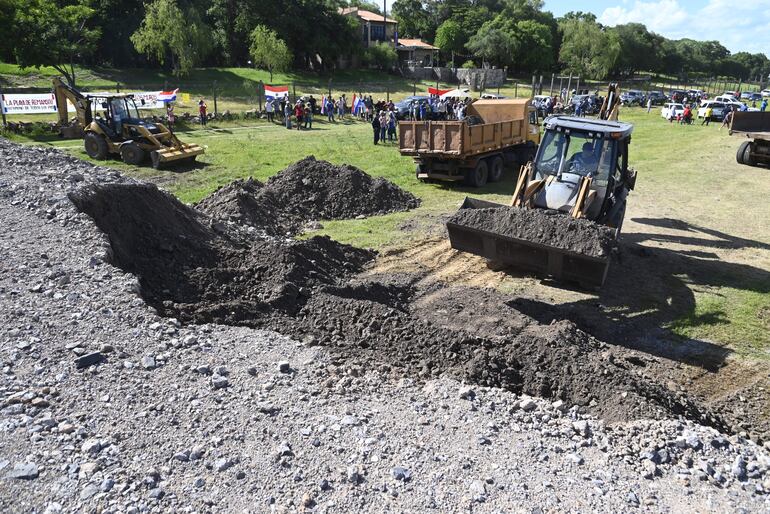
[545, 260]
[182, 153]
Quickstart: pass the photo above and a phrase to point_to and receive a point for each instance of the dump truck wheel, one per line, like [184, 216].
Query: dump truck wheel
[741, 150]
[132, 154]
[477, 177]
[496, 169]
[96, 146]
[748, 160]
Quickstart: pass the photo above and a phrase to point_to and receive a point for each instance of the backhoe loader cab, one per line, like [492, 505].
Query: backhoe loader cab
[581, 167]
[112, 124]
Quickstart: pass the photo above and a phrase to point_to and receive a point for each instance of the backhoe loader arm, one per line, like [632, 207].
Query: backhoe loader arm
[63, 92]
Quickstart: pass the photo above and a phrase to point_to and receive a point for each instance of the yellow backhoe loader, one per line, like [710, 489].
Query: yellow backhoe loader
[580, 171]
[110, 124]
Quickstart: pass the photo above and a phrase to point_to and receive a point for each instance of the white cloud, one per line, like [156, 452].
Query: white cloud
[744, 30]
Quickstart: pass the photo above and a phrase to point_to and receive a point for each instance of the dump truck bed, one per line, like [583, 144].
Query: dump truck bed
[504, 123]
[590, 271]
[752, 124]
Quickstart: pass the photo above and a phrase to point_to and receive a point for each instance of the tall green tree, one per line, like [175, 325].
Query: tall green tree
[588, 49]
[450, 38]
[493, 44]
[47, 34]
[169, 34]
[415, 20]
[269, 51]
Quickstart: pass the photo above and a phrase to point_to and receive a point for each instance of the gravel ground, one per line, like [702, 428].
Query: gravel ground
[108, 407]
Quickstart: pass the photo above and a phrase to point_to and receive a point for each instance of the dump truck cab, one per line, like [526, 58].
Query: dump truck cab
[578, 151]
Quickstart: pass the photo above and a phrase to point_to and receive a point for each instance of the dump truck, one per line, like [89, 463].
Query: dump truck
[755, 127]
[110, 124]
[476, 149]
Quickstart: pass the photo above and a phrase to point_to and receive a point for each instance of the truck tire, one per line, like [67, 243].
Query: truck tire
[132, 154]
[748, 160]
[420, 168]
[496, 169]
[95, 145]
[741, 150]
[477, 177]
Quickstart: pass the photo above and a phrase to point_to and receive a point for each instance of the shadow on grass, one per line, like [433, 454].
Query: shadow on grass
[648, 289]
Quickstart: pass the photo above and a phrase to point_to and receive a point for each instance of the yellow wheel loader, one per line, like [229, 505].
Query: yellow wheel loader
[110, 124]
[580, 179]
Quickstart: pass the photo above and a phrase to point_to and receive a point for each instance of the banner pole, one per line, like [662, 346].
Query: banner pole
[2, 108]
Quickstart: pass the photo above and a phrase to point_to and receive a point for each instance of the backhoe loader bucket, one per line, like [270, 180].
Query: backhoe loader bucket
[588, 271]
[184, 152]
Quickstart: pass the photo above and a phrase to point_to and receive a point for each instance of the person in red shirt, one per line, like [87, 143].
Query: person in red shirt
[202, 111]
[299, 112]
[686, 115]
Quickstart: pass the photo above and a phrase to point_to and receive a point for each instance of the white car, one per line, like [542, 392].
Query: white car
[728, 100]
[717, 109]
[765, 92]
[671, 109]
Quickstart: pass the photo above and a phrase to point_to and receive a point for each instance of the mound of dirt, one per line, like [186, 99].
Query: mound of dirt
[244, 202]
[541, 226]
[199, 271]
[307, 190]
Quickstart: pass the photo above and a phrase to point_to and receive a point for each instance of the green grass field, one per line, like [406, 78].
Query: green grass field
[706, 214]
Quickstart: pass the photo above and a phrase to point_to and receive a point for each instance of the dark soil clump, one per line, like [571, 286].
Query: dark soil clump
[541, 226]
[305, 191]
[197, 270]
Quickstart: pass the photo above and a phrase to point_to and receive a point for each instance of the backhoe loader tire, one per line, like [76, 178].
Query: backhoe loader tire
[496, 169]
[155, 159]
[96, 146]
[132, 154]
[741, 150]
[477, 177]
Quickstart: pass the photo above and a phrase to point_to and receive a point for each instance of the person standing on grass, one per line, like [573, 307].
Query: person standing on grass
[707, 114]
[308, 116]
[170, 115]
[287, 115]
[392, 125]
[383, 125]
[270, 109]
[728, 118]
[299, 113]
[202, 111]
[649, 104]
[763, 105]
[376, 128]
[330, 109]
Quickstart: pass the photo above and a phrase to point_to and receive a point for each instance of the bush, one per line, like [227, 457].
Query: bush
[468, 64]
[381, 56]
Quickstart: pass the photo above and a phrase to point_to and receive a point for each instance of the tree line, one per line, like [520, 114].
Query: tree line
[312, 34]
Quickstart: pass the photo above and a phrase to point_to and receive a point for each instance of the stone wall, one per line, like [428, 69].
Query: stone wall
[475, 78]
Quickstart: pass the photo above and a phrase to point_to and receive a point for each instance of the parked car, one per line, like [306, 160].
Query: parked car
[751, 96]
[677, 95]
[765, 92]
[718, 110]
[631, 97]
[668, 108]
[595, 99]
[402, 107]
[728, 100]
[657, 97]
[493, 96]
[695, 94]
[538, 102]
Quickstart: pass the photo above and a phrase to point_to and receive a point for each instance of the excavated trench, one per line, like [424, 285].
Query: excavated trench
[199, 270]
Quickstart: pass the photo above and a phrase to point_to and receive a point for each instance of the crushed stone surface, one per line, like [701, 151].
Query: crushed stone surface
[106, 405]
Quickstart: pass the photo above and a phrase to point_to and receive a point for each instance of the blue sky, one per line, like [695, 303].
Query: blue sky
[746, 29]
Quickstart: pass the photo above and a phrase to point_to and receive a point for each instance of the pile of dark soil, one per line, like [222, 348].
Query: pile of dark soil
[305, 191]
[199, 271]
[541, 226]
[194, 269]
